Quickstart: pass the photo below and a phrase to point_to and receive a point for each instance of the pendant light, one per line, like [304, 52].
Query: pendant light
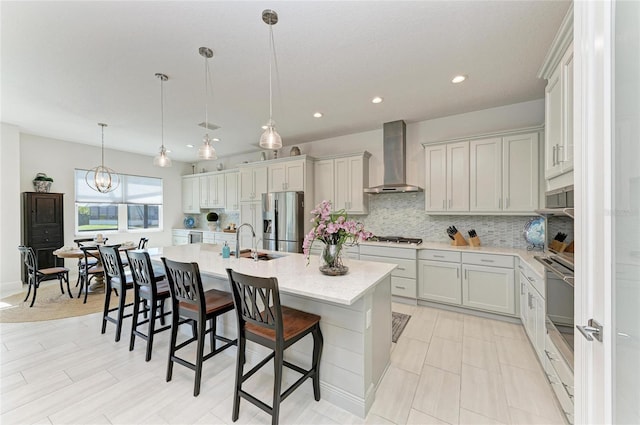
[162, 160]
[206, 151]
[100, 178]
[270, 139]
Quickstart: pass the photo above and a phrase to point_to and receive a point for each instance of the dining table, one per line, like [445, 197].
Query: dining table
[97, 286]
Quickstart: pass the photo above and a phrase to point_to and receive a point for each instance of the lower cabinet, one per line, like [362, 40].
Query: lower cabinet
[403, 277]
[179, 237]
[488, 288]
[439, 281]
[532, 308]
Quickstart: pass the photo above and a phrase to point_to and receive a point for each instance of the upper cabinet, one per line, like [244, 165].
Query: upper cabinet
[212, 191]
[342, 181]
[493, 174]
[231, 191]
[190, 194]
[557, 69]
[287, 176]
[253, 182]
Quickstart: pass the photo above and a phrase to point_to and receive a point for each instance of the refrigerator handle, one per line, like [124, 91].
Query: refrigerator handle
[275, 219]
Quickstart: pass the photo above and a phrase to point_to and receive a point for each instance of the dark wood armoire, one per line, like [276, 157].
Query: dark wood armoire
[43, 227]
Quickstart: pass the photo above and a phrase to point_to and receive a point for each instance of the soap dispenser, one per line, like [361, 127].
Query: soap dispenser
[226, 251]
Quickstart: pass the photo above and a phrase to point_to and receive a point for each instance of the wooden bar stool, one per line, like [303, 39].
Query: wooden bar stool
[147, 286]
[191, 302]
[118, 281]
[263, 320]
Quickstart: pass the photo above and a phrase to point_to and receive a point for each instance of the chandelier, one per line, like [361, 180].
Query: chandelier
[100, 178]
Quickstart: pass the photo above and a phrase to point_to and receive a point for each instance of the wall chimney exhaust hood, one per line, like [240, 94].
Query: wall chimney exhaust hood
[395, 161]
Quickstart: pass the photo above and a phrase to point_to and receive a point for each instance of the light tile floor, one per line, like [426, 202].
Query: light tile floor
[447, 368]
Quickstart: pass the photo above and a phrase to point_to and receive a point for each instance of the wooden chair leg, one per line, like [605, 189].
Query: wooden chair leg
[277, 386]
[134, 321]
[152, 326]
[175, 318]
[107, 301]
[120, 315]
[202, 325]
[239, 372]
[318, 342]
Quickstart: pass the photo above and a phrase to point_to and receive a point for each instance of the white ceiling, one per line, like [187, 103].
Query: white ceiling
[68, 65]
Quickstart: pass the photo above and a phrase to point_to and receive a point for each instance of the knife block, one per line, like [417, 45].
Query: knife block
[458, 240]
[474, 241]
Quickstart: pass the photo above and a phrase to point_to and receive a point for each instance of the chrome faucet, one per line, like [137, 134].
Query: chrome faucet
[253, 234]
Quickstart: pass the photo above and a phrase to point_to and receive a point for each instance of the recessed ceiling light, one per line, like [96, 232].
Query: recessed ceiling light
[377, 99]
[318, 115]
[168, 150]
[264, 127]
[189, 145]
[215, 139]
[458, 79]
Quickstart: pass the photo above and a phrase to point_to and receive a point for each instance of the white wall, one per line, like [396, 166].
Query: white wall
[519, 115]
[9, 210]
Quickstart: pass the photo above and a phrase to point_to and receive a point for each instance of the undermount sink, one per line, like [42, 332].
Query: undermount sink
[262, 256]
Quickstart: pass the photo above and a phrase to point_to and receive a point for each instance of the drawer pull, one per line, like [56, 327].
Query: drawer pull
[487, 261]
[438, 256]
[568, 389]
[550, 378]
[400, 268]
[400, 287]
[548, 354]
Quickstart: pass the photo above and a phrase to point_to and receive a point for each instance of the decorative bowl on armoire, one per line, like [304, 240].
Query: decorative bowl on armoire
[42, 183]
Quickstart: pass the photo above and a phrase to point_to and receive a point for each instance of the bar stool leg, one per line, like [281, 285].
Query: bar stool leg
[121, 303]
[242, 342]
[152, 327]
[318, 342]
[107, 301]
[172, 343]
[134, 322]
[277, 385]
[202, 324]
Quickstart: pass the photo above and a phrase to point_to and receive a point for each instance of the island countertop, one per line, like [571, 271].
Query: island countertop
[293, 274]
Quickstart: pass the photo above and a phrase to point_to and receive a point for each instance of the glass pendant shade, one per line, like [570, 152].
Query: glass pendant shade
[162, 160]
[207, 151]
[100, 178]
[270, 139]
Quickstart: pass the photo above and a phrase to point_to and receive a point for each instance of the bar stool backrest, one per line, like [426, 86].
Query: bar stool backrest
[257, 301]
[142, 244]
[112, 263]
[141, 269]
[185, 283]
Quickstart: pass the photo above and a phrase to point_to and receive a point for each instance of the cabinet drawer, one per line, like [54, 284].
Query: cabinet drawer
[534, 279]
[388, 251]
[556, 363]
[403, 287]
[437, 255]
[488, 260]
[406, 268]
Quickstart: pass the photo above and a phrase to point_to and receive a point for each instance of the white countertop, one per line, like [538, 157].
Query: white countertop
[294, 275]
[526, 256]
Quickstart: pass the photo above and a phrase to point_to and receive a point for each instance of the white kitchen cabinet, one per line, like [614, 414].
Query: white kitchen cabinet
[190, 194]
[250, 212]
[287, 176]
[439, 276]
[231, 195]
[253, 183]
[485, 184]
[520, 175]
[212, 190]
[504, 173]
[323, 180]
[342, 181]
[447, 177]
[557, 69]
[179, 237]
[533, 308]
[403, 277]
[488, 288]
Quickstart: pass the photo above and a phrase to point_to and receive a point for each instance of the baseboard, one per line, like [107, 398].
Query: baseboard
[10, 288]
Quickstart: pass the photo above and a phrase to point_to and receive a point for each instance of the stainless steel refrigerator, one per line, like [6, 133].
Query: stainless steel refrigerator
[282, 217]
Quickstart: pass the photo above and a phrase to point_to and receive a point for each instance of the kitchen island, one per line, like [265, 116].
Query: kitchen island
[355, 311]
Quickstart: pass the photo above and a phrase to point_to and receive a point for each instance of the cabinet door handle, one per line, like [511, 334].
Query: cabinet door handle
[450, 202]
[553, 156]
[499, 203]
[529, 301]
[506, 205]
[466, 274]
[458, 273]
[443, 207]
[558, 154]
[521, 288]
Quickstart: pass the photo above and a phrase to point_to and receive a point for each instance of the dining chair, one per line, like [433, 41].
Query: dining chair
[116, 281]
[191, 302]
[153, 289]
[36, 275]
[265, 321]
[142, 244]
[89, 267]
[82, 261]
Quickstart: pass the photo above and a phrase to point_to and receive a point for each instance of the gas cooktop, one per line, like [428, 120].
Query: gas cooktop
[398, 239]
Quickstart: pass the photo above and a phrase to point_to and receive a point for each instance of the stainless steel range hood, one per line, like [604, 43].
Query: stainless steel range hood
[395, 162]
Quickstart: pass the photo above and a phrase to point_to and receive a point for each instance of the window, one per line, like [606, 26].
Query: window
[135, 205]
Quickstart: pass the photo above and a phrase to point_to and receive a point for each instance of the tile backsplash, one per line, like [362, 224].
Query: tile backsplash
[404, 215]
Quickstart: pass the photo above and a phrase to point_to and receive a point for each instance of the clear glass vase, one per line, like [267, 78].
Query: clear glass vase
[331, 261]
